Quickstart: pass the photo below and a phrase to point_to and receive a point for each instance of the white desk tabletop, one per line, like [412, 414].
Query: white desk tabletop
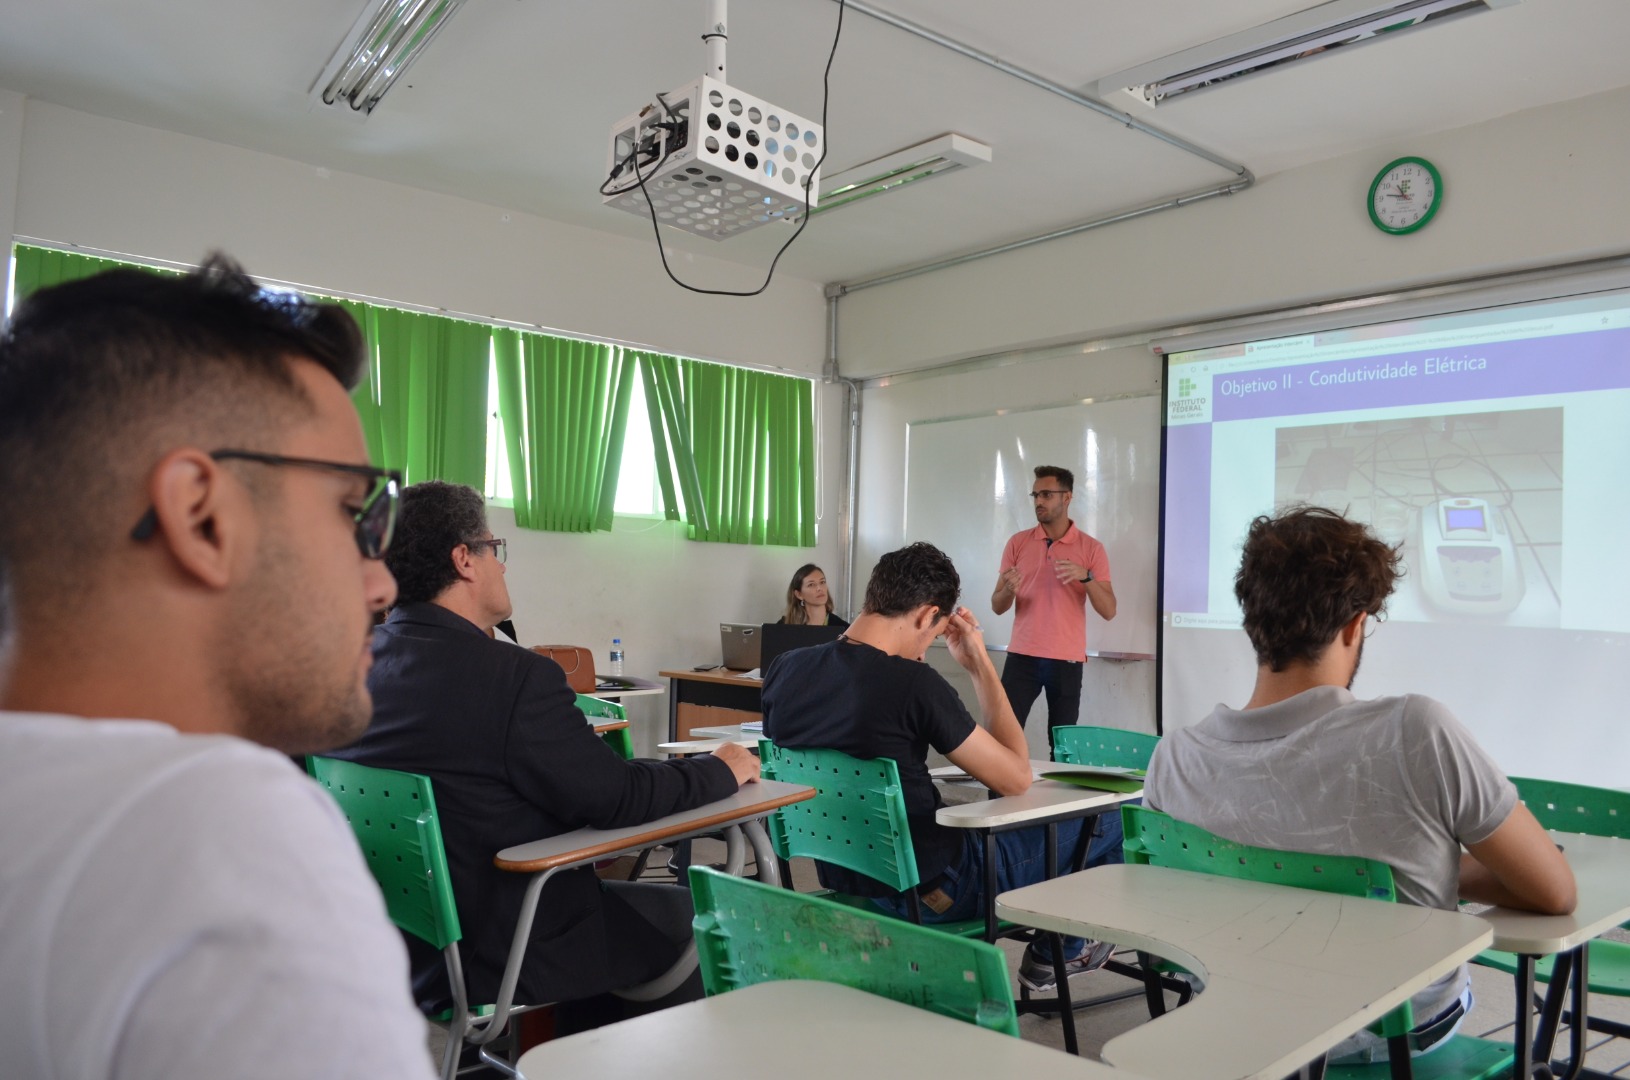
[1046, 799]
[629, 686]
[1288, 972]
[801, 1031]
[579, 845]
[727, 733]
[1601, 869]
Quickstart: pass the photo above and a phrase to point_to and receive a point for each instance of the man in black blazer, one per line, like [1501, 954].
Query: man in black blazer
[512, 759]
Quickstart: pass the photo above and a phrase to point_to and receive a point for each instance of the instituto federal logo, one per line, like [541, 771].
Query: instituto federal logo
[1185, 386]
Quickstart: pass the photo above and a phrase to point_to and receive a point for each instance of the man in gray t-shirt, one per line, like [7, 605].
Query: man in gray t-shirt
[1306, 766]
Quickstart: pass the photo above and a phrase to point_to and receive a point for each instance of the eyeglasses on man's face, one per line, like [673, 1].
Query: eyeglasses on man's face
[375, 518]
[1046, 494]
[499, 549]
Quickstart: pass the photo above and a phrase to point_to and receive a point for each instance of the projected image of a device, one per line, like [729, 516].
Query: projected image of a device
[711, 159]
[1468, 563]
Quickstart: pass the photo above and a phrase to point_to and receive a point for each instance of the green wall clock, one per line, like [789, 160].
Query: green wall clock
[1405, 195]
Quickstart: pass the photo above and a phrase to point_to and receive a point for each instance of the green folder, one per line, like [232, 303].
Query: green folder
[1122, 782]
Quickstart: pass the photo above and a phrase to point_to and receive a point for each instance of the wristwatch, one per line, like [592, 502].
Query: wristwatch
[1088, 578]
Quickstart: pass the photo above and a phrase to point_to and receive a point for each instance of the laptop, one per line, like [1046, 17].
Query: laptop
[739, 642]
[780, 638]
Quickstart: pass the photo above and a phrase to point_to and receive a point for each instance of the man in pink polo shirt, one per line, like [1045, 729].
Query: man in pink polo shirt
[1051, 571]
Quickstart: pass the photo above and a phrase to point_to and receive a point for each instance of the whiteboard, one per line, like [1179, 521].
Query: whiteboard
[968, 484]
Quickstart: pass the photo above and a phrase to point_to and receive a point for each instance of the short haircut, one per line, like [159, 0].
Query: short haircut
[910, 577]
[1306, 571]
[1065, 478]
[102, 376]
[435, 518]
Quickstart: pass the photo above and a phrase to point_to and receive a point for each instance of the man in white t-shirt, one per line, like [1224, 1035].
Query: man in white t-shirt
[1306, 766]
[190, 536]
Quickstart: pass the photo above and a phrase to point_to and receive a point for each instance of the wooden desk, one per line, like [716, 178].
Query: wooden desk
[809, 1031]
[713, 698]
[1601, 870]
[609, 725]
[1288, 972]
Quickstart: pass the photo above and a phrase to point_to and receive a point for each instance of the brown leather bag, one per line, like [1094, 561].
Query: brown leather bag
[576, 661]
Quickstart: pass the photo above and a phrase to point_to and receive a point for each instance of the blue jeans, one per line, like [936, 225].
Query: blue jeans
[1021, 859]
[1025, 677]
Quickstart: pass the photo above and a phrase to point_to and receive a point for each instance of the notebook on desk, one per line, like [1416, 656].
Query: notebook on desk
[740, 643]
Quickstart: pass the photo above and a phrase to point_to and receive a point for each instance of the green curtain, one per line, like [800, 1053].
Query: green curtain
[423, 400]
[38, 267]
[564, 405]
[742, 444]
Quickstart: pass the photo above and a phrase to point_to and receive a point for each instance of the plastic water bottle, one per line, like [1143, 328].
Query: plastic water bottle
[616, 656]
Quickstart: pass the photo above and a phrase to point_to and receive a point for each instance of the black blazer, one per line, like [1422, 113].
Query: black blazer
[511, 759]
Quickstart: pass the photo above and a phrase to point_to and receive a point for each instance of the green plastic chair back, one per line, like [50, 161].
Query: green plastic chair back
[856, 820]
[596, 708]
[1079, 744]
[1157, 839]
[393, 815]
[748, 932]
[600, 709]
[1576, 808]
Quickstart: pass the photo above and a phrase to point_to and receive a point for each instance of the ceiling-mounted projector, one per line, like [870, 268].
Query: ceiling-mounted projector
[713, 160]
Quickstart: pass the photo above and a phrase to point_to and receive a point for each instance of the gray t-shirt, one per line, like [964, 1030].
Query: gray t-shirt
[1396, 779]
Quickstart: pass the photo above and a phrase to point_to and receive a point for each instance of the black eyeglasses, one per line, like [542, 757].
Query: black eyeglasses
[375, 521]
[499, 550]
[1047, 494]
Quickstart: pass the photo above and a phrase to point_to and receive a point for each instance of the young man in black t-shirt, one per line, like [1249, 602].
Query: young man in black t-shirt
[870, 695]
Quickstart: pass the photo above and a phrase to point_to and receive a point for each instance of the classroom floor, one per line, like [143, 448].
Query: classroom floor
[1491, 1016]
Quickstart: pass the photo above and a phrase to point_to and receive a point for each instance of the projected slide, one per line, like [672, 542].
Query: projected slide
[1493, 446]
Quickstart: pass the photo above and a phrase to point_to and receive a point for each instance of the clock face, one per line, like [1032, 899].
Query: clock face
[1405, 195]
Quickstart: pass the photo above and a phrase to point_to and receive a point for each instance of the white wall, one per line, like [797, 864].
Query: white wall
[11, 154]
[1535, 188]
[136, 190]
[105, 184]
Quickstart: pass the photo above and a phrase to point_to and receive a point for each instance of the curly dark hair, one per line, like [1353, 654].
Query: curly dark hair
[435, 518]
[910, 577]
[102, 376]
[1306, 571]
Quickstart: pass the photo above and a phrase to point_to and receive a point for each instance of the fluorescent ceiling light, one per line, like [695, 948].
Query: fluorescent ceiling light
[892, 171]
[386, 39]
[1302, 36]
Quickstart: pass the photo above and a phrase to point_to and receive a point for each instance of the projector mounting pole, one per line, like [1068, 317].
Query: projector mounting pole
[715, 37]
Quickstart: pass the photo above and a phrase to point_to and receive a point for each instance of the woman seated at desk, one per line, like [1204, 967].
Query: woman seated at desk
[808, 602]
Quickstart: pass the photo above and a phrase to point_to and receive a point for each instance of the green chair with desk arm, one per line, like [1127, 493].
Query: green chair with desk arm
[1576, 808]
[748, 932]
[1157, 839]
[393, 815]
[600, 709]
[1082, 744]
[858, 821]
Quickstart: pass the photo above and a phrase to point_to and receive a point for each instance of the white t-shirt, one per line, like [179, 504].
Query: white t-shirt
[177, 906]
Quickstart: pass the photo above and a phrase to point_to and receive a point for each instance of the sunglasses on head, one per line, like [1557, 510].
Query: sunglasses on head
[375, 522]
